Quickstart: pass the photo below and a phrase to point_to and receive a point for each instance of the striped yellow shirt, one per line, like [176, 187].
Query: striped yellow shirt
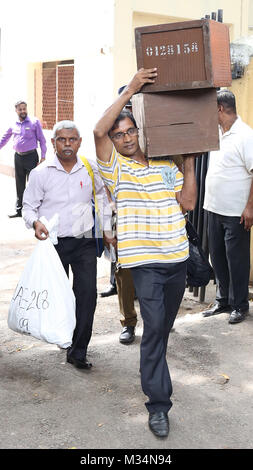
[150, 222]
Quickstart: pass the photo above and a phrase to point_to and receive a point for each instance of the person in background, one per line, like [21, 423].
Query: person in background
[229, 202]
[125, 289]
[112, 288]
[26, 132]
[121, 283]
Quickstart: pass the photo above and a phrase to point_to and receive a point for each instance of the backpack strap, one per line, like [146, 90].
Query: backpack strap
[91, 174]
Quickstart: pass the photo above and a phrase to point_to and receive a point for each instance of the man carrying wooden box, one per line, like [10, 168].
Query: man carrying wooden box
[151, 196]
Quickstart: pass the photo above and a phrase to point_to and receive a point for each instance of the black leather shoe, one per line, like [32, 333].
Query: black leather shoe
[18, 214]
[110, 291]
[237, 316]
[127, 335]
[159, 423]
[216, 309]
[79, 363]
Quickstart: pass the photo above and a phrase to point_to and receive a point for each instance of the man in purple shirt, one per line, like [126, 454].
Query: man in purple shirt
[26, 133]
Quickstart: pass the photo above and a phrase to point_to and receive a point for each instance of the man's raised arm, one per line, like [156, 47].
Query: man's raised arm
[187, 197]
[102, 140]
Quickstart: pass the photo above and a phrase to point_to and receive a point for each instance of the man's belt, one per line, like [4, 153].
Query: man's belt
[26, 153]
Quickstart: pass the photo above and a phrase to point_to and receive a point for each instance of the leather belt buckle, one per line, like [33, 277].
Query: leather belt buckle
[25, 153]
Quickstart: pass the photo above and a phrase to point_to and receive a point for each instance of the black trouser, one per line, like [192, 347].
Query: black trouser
[159, 288]
[80, 254]
[23, 165]
[229, 246]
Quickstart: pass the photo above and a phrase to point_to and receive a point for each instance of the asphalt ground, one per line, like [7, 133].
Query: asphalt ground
[46, 403]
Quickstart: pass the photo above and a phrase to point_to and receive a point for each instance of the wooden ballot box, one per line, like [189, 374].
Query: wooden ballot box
[177, 122]
[188, 55]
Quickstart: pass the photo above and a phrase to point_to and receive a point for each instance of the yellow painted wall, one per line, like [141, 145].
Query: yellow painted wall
[243, 90]
[250, 16]
[34, 88]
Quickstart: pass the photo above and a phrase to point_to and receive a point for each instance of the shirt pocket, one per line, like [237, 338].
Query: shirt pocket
[28, 132]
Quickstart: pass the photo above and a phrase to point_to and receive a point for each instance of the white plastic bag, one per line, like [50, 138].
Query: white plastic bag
[43, 304]
[110, 254]
[52, 227]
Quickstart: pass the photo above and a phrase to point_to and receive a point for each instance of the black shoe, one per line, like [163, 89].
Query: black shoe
[237, 316]
[110, 291]
[216, 309]
[79, 363]
[127, 335]
[159, 423]
[18, 214]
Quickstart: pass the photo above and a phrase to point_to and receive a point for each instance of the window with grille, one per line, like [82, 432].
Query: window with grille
[57, 92]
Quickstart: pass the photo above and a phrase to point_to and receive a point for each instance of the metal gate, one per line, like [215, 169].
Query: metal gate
[198, 217]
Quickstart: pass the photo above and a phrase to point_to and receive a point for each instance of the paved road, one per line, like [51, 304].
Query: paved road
[47, 404]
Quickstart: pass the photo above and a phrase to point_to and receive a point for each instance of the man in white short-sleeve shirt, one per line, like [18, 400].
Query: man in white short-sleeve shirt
[229, 202]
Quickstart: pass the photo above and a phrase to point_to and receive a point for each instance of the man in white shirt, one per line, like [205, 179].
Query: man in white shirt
[62, 185]
[229, 202]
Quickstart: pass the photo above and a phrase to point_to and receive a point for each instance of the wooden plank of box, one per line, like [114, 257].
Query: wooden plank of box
[188, 55]
[177, 122]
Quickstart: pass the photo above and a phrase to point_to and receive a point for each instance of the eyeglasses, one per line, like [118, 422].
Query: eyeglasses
[130, 132]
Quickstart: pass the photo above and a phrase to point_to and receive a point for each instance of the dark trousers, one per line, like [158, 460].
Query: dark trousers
[23, 165]
[159, 288]
[229, 246]
[80, 254]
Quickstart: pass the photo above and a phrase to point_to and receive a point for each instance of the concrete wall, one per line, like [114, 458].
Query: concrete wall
[57, 30]
[250, 16]
[98, 36]
[243, 90]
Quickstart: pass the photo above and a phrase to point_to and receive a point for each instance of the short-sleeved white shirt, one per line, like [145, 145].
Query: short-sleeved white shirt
[230, 171]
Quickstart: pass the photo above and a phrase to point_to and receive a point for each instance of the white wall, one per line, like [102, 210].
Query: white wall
[58, 30]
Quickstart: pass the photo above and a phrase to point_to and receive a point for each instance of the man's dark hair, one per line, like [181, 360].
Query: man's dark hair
[20, 102]
[227, 99]
[123, 115]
